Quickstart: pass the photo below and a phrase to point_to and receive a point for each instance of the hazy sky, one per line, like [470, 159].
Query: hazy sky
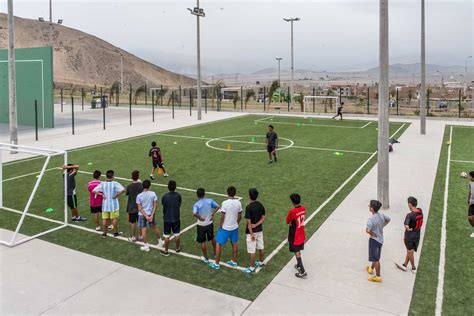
[246, 36]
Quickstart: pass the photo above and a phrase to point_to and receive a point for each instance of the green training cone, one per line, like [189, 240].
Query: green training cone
[338, 153]
[253, 140]
[49, 210]
[89, 163]
[298, 124]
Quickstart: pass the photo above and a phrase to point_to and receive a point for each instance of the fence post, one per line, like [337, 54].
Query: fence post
[205, 100]
[146, 95]
[179, 101]
[314, 93]
[130, 105]
[36, 120]
[459, 103]
[82, 98]
[72, 113]
[161, 95]
[172, 103]
[368, 100]
[241, 98]
[190, 101]
[428, 101]
[153, 105]
[61, 100]
[288, 98]
[264, 98]
[397, 100]
[103, 110]
[101, 91]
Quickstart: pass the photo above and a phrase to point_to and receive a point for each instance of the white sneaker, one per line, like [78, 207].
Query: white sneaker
[204, 259]
[401, 267]
[165, 175]
[161, 243]
[110, 227]
[98, 229]
[472, 235]
[145, 248]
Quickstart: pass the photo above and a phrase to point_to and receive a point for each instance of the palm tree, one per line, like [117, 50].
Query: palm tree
[139, 92]
[216, 90]
[114, 92]
[235, 100]
[249, 94]
[273, 88]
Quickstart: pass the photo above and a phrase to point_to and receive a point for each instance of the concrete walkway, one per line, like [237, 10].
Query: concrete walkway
[336, 255]
[62, 281]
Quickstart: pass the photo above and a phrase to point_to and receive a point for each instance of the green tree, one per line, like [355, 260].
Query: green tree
[273, 88]
[248, 95]
[139, 92]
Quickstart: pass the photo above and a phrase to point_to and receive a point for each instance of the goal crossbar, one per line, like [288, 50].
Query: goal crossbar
[48, 153]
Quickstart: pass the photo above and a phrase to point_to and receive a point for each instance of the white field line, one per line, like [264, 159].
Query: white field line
[284, 242]
[138, 243]
[442, 244]
[263, 119]
[366, 125]
[462, 161]
[29, 174]
[305, 124]
[222, 139]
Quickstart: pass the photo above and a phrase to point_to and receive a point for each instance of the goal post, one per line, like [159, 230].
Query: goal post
[310, 99]
[48, 153]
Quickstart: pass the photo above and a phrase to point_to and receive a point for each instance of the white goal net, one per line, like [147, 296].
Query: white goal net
[47, 155]
[310, 102]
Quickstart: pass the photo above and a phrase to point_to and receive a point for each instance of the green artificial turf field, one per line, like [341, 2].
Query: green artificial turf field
[459, 268]
[321, 159]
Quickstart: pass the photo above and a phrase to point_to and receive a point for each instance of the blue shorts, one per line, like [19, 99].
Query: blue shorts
[375, 250]
[224, 235]
[142, 222]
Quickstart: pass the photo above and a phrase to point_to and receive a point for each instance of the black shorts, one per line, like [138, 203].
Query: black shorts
[205, 233]
[171, 227]
[296, 248]
[270, 149]
[72, 201]
[375, 250]
[96, 209]
[133, 218]
[470, 211]
[412, 244]
[157, 164]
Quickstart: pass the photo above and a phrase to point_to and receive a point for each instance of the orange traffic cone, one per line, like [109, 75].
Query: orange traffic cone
[228, 147]
[160, 171]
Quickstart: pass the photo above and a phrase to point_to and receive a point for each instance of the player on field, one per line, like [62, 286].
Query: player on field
[110, 190]
[146, 202]
[156, 160]
[272, 144]
[204, 210]
[296, 233]
[413, 223]
[374, 228]
[171, 202]
[71, 172]
[231, 213]
[255, 216]
[470, 201]
[95, 199]
[133, 189]
[339, 111]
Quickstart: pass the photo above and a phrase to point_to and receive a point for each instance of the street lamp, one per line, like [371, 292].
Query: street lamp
[423, 73]
[291, 20]
[198, 12]
[279, 60]
[465, 75]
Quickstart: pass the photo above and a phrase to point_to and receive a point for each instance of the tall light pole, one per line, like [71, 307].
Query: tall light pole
[51, 23]
[291, 20]
[12, 79]
[198, 12]
[382, 153]
[465, 75]
[423, 73]
[279, 78]
[121, 73]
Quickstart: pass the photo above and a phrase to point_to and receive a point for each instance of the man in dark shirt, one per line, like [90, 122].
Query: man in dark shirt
[171, 202]
[71, 172]
[133, 189]
[255, 216]
[413, 223]
[156, 160]
[339, 111]
[272, 144]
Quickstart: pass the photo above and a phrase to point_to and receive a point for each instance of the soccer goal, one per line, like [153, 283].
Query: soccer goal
[39, 152]
[309, 101]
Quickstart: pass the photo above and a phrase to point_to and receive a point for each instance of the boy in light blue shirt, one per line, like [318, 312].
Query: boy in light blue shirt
[204, 210]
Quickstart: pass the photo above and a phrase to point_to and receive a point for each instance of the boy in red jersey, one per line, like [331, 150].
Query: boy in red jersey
[296, 235]
[156, 160]
[95, 199]
[413, 223]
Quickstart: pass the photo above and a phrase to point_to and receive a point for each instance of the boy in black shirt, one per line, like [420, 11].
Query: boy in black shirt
[413, 223]
[255, 216]
[171, 202]
[272, 143]
[339, 111]
[133, 189]
[156, 160]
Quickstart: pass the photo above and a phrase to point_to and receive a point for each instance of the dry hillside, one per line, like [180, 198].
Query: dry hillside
[81, 59]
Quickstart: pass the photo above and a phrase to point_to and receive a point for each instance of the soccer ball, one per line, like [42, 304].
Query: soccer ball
[463, 174]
